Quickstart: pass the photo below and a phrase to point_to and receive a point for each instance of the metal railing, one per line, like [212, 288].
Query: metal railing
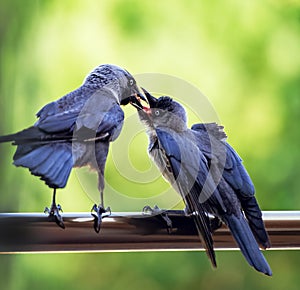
[32, 232]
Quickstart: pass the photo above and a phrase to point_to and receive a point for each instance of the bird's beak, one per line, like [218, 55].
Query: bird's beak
[136, 99]
[148, 98]
[152, 101]
[140, 95]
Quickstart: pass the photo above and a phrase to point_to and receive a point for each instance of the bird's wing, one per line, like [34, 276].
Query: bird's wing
[58, 123]
[52, 162]
[187, 175]
[212, 143]
[212, 129]
[234, 174]
[99, 117]
[43, 148]
[237, 176]
[112, 122]
[100, 126]
[56, 117]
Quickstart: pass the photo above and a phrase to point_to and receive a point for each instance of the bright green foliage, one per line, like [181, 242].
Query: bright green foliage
[243, 55]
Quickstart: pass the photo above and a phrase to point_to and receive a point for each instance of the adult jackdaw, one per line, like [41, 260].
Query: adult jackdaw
[209, 176]
[75, 131]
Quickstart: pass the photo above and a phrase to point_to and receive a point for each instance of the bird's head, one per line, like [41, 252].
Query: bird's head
[162, 112]
[117, 79]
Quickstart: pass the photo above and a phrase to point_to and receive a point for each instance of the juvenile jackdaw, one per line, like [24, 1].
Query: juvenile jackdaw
[209, 176]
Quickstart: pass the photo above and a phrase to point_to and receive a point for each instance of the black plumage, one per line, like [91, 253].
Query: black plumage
[209, 176]
[75, 131]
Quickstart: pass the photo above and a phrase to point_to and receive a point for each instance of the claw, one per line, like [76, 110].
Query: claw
[162, 213]
[98, 215]
[54, 214]
[148, 209]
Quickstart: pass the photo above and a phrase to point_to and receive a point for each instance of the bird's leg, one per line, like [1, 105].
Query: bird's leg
[98, 211]
[54, 210]
[161, 213]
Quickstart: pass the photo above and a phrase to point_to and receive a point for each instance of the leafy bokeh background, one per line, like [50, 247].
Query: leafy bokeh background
[244, 55]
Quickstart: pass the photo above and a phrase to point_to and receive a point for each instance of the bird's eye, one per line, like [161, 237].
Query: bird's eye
[131, 82]
[156, 112]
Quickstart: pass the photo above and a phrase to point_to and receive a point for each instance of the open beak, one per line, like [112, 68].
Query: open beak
[141, 96]
[136, 99]
[152, 101]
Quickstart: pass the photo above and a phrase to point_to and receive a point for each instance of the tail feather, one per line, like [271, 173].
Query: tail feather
[202, 223]
[52, 162]
[25, 136]
[254, 217]
[247, 243]
[7, 138]
[36, 136]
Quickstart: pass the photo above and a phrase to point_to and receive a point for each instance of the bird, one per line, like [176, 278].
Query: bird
[208, 174]
[75, 131]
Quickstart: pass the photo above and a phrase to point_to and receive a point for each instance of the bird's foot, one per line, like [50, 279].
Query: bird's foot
[215, 223]
[54, 214]
[97, 212]
[161, 213]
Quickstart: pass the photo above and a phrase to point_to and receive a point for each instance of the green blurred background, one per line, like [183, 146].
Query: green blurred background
[244, 55]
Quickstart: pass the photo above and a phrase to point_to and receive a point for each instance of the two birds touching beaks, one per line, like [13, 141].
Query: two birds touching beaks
[76, 131]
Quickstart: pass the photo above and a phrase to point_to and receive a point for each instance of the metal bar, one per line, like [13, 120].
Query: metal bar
[33, 232]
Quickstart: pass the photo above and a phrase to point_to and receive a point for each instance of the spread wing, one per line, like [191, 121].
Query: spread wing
[46, 148]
